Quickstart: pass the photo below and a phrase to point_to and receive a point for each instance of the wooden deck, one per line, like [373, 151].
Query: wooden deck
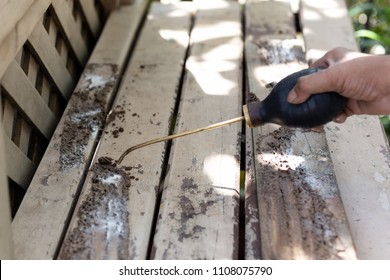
[231, 193]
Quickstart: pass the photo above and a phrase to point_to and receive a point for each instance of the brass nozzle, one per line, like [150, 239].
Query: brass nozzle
[246, 116]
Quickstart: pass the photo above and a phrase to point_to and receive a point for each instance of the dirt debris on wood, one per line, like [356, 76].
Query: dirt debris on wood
[102, 217]
[86, 114]
[299, 191]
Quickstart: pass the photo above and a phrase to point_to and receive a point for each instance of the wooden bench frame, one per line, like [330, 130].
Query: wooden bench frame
[328, 203]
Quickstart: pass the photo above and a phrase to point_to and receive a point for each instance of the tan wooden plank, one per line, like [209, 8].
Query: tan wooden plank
[301, 213]
[359, 149]
[142, 110]
[28, 99]
[6, 242]
[14, 41]
[10, 13]
[93, 20]
[198, 217]
[51, 60]
[19, 168]
[72, 32]
[38, 230]
[252, 222]
[112, 52]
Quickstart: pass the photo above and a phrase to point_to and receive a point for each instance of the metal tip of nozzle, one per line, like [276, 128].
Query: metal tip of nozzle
[246, 116]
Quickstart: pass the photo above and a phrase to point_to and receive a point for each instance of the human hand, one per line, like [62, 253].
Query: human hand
[364, 79]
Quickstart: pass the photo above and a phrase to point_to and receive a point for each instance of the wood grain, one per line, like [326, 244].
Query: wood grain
[27, 98]
[301, 212]
[51, 60]
[37, 231]
[142, 110]
[359, 148]
[199, 210]
[71, 30]
[16, 38]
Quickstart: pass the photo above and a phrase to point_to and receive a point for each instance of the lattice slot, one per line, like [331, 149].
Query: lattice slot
[16, 194]
[37, 147]
[71, 33]
[82, 23]
[31, 68]
[21, 135]
[99, 8]
[21, 131]
[62, 48]
[73, 68]
[41, 82]
[75, 13]
[60, 44]
[9, 115]
[56, 103]
[25, 59]
[50, 26]
[57, 36]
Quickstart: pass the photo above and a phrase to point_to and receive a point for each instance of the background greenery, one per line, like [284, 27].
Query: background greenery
[371, 20]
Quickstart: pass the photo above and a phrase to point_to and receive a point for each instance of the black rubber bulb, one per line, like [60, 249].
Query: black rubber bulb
[318, 110]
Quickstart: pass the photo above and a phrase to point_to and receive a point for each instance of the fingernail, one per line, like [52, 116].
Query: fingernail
[292, 96]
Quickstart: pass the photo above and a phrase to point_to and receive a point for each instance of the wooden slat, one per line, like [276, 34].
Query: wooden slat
[89, 10]
[28, 99]
[19, 168]
[198, 217]
[6, 242]
[252, 222]
[301, 213]
[51, 60]
[14, 41]
[39, 222]
[10, 13]
[143, 110]
[72, 32]
[359, 149]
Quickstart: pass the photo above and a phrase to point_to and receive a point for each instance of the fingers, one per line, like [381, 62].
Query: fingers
[341, 118]
[311, 84]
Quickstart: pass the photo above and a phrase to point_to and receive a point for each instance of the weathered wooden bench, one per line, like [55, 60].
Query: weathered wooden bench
[231, 193]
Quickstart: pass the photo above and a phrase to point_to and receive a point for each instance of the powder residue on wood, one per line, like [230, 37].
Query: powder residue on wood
[299, 197]
[86, 113]
[280, 52]
[101, 230]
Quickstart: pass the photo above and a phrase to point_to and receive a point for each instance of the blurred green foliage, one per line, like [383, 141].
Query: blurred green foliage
[371, 20]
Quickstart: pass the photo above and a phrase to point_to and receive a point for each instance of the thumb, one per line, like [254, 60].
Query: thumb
[311, 84]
